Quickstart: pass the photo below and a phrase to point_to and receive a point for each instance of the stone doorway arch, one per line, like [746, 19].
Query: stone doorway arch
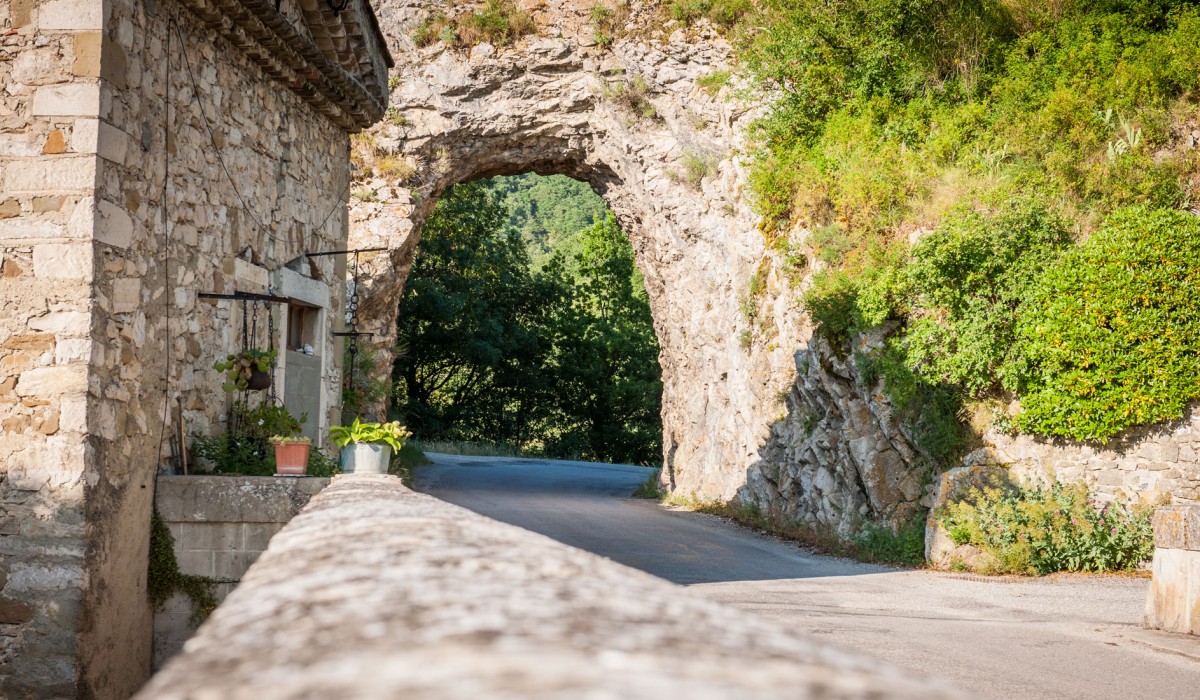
[631, 121]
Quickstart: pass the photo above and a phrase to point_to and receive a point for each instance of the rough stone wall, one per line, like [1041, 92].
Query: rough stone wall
[116, 211]
[377, 592]
[548, 105]
[49, 67]
[254, 179]
[220, 524]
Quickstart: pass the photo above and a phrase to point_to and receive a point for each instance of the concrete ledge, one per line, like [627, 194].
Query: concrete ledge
[234, 499]
[375, 591]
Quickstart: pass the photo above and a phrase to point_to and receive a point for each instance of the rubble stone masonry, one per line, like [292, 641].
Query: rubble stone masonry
[145, 158]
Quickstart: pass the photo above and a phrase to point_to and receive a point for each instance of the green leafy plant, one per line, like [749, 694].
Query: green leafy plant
[392, 434]
[290, 440]
[239, 367]
[163, 578]
[1111, 333]
[651, 487]
[714, 81]
[1040, 531]
[322, 465]
[245, 448]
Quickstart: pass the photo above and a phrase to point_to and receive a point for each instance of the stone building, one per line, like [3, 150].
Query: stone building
[152, 151]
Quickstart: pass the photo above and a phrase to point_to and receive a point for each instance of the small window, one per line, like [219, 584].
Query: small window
[302, 328]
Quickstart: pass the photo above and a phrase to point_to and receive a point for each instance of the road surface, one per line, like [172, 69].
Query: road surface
[1057, 637]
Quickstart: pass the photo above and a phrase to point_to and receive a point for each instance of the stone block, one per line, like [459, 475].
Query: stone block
[114, 227]
[47, 176]
[197, 563]
[10, 208]
[256, 536]
[233, 499]
[84, 135]
[71, 14]
[1177, 527]
[70, 350]
[53, 381]
[63, 323]
[21, 12]
[14, 613]
[233, 565]
[29, 229]
[63, 261]
[209, 536]
[112, 144]
[71, 100]
[126, 295]
[45, 205]
[87, 47]
[1169, 600]
[55, 143]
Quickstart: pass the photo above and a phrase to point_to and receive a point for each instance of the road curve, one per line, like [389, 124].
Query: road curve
[1057, 637]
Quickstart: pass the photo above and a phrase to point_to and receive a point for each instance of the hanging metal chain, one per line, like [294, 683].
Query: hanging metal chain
[271, 396]
[352, 305]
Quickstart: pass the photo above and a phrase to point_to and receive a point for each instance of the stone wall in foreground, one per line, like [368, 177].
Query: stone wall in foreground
[375, 591]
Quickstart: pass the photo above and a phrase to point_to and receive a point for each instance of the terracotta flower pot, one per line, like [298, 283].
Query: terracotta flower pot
[291, 458]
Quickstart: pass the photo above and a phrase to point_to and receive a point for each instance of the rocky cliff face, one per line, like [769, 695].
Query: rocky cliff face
[751, 408]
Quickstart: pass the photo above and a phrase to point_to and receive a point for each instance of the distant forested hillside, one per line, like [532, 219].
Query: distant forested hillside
[549, 212]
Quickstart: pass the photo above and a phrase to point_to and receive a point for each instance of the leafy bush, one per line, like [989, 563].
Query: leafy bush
[1040, 531]
[632, 96]
[391, 434]
[245, 448]
[1112, 331]
[714, 81]
[608, 23]
[969, 278]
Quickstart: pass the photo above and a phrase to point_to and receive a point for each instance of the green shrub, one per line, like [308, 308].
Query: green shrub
[879, 543]
[1040, 531]
[245, 448]
[651, 487]
[969, 278]
[1111, 333]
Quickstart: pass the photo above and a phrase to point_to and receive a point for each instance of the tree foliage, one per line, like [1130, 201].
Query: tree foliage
[559, 358]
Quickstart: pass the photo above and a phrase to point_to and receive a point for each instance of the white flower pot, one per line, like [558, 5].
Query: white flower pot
[364, 458]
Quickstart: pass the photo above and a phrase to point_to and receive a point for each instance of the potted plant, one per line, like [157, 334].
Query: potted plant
[291, 454]
[248, 369]
[367, 447]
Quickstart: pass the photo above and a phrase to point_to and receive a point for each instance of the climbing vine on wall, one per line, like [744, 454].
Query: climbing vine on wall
[164, 579]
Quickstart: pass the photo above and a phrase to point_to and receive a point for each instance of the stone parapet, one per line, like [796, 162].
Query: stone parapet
[375, 591]
[1173, 603]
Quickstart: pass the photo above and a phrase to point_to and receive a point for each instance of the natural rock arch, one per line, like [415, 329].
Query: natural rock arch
[550, 106]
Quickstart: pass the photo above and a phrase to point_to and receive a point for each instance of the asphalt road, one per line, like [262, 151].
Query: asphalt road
[1057, 637]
